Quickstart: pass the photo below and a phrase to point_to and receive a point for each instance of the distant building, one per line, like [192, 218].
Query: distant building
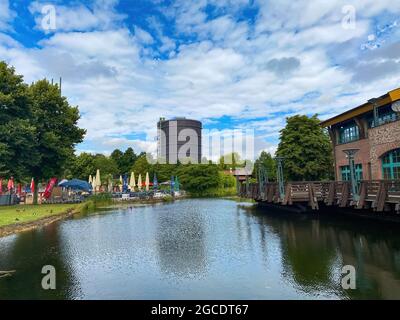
[373, 129]
[179, 139]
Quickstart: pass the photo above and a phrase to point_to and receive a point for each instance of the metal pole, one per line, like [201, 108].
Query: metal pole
[281, 182]
[353, 179]
[374, 102]
[247, 185]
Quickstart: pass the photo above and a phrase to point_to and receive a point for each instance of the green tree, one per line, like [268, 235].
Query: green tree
[57, 133]
[198, 178]
[306, 149]
[127, 160]
[230, 161]
[117, 155]
[267, 162]
[106, 165]
[17, 133]
[82, 166]
[142, 166]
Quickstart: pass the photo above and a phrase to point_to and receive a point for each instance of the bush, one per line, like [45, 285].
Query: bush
[101, 199]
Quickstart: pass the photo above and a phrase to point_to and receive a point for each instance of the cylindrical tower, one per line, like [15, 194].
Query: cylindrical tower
[179, 139]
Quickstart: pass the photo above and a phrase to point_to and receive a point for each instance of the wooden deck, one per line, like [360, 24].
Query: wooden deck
[376, 195]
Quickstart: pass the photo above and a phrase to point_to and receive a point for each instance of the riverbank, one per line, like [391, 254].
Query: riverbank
[21, 218]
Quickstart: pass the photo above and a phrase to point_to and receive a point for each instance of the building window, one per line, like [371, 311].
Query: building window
[345, 170]
[391, 165]
[385, 115]
[349, 133]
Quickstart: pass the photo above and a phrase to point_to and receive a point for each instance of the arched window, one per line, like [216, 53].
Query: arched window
[391, 164]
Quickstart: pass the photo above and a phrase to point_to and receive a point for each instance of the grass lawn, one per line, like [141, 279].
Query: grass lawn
[28, 213]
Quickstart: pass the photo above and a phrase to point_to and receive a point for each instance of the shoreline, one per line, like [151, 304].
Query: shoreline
[20, 227]
[31, 225]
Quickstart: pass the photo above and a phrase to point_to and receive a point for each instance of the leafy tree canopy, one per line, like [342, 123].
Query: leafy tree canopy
[267, 163]
[306, 149]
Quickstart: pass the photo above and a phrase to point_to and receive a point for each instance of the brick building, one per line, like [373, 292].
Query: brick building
[374, 129]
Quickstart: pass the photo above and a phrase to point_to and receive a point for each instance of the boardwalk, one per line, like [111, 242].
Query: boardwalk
[376, 195]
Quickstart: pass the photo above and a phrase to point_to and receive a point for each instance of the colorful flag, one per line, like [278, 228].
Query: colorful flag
[49, 188]
[10, 184]
[33, 185]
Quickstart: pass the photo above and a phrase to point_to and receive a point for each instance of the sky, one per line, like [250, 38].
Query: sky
[233, 64]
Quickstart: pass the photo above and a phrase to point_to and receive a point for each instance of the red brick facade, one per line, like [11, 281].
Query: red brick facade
[374, 143]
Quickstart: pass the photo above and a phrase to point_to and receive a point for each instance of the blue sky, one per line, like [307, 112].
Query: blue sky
[230, 63]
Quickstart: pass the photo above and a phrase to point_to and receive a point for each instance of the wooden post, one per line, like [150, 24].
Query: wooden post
[345, 195]
[331, 193]
[363, 195]
[381, 197]
[312, 198]
[288, 195]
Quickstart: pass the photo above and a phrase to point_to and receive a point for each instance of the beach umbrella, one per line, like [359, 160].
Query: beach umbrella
[90, 179]
[94, 183]
[155, 181]
[98, 180]
[32, 185]
[132, 182]
[147, 181]
[139, 182]
[110, 185]
[120, 183]
[76, 184]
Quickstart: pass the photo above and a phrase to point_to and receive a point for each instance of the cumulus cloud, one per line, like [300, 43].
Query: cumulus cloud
[101, 15]
[283, 66]
[294, 57]
[6, 15]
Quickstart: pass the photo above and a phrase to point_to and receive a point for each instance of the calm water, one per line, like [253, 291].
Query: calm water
[203, 249]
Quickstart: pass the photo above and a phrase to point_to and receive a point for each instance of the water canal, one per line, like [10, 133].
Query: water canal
[203, 249]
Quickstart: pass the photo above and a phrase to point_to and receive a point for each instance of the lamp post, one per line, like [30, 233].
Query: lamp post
[279, 161]
[350, 153]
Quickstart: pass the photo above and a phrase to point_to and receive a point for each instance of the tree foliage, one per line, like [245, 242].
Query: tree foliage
[57, 132]
[267, 163]
[38, 128]
[306, 149]
[17, 132]
[198, 177]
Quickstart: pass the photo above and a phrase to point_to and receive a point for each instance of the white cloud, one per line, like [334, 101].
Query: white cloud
[231, 69]
[6, 15]
[101, 15]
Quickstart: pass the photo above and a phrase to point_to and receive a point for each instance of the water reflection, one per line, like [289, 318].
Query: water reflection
[180, 241]
[203, 249]
[314, 249]
[27, 253]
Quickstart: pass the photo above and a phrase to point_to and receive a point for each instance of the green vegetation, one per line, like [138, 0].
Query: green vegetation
[266, 162]
[38, 129]
[307, 150]
[100, 199]
[125, 160]
[29, 213]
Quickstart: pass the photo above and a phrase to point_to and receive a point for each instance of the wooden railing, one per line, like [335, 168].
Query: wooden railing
[379, 195]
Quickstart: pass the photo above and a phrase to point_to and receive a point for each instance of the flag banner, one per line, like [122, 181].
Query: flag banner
[49, 188]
